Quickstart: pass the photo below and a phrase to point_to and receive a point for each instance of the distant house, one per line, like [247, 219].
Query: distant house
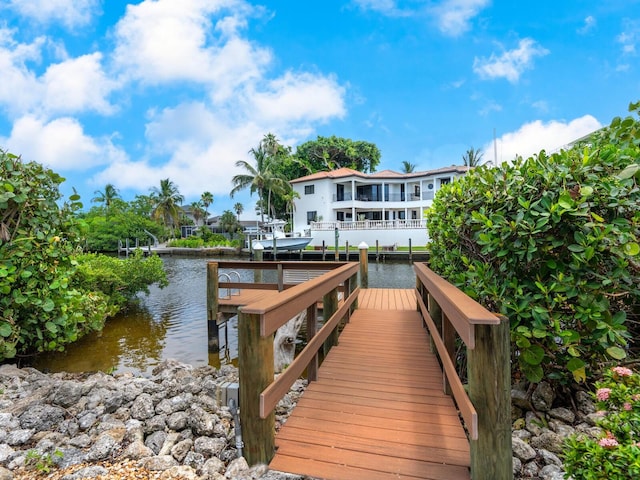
[387, 206]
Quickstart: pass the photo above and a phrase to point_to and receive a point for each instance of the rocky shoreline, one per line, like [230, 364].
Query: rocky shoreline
[175, 425]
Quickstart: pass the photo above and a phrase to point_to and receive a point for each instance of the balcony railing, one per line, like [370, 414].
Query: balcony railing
[392, 197]
[370, 225]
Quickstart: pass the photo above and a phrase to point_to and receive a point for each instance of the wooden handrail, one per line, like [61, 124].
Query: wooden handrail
[467, 410]
[486, 337]
[463, 312]
[257, 322]
[271, 395]
[276, 311]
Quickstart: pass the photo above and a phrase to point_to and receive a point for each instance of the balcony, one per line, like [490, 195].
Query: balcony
[370, 225]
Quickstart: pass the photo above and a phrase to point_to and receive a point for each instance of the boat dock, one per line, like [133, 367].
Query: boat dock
[386, 401]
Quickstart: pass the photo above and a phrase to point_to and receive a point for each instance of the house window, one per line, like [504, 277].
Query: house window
[309, 189]
[444, 181]
[312, 216]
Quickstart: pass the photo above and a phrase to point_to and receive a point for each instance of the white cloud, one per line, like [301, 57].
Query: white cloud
[77, 85]
[70, 13]
[60, 144]
[532, 137]
[166, 41]
[589, 24]
[386, 7]
[299, 98]
[629, 37]
[511, 63]
[74, 85]
[490, 107]
[19, 88]
[454, 16]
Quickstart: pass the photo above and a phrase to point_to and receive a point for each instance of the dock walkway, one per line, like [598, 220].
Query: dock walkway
[377, 410]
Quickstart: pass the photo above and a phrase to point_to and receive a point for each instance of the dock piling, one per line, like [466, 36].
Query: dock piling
[213, 333]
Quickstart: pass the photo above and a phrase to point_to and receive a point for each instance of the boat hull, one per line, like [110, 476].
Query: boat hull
[286, 243]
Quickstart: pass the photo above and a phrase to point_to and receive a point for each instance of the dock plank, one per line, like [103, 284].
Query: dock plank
[377, 410]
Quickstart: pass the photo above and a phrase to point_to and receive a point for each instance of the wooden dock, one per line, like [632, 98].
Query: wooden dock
[377, 410]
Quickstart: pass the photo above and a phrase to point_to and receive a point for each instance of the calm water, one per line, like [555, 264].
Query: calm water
[172, 323]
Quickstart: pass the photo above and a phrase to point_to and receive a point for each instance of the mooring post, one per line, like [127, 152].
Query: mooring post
[257, 272]
[337, 252]
[255, 368]
[324, 251]
[364, 264]
[377, 251]
[346, 251]
[212, 307]
[489, 371]
[410, 251]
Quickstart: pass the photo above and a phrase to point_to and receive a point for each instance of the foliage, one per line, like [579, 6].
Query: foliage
[43, 463]
[330, 153]
[408, 167]
[119, 279]
[229, 222]
[616, 454]
[263, 177]
[166, 199]
[102, 233]
[552, 243]
[210, 240]
[107, 196]
[39, 307]
[472, 157]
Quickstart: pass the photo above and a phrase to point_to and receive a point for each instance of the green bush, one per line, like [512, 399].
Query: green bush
[39, 307]
[190, 242]
[615, 455]
[120, 280]
[552, 243]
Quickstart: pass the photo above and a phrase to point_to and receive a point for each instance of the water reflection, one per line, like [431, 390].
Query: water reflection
[172, 323]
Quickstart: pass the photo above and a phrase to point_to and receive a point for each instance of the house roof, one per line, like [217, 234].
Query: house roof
[349, 172]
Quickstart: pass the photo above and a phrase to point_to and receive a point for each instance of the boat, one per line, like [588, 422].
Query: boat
[274, 231]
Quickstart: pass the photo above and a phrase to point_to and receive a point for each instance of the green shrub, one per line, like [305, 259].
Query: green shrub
[616, 454]
[552, 243]
[120, 280]
[190, 242]
[40, 309]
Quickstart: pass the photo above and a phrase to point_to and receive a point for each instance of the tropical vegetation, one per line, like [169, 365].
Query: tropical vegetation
[50, 295]
[552, 242]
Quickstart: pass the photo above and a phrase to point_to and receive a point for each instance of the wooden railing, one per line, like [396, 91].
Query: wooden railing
[257, 323]
[486, 409]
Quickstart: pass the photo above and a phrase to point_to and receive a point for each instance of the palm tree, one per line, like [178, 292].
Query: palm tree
[472, 158]
[238, 208]
[166, 200]
[107, 196]
[228, 221]
[206, 199]
[260, 178]
[408, 167]
[197, 212]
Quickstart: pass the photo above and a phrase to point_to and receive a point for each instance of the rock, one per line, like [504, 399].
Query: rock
[584, 402]
[530, 470]
[563, 414]
[194, 460]
[517, 466]
[213, 465]
[177, 421]
[66, 394]
[522, 450]
[158, 463]
[180, 449]
[201, 422]
[42, 417]
[179, 472]
[533, 423]
[520, 399]
[209, 447]
[6, 452]
[155, 441]
[137, 451]
[87, 472]
[548, 440]
[5, 474]
[142, 407]
[236, 467]
[543, 397]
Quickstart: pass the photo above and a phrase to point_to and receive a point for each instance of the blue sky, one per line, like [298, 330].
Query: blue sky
[133, 92]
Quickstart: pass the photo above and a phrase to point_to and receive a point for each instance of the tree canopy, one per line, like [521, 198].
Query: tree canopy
[330, 153]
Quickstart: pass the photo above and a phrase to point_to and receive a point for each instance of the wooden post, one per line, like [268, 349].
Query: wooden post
[346, 251]
[275, 255]
[353, 283]
[436, 316]
[329, 307]
[255, 367]
[449, 339]
[212, 307]
[324, 251]
[377, 251]
[280, 278]
[364, 264]
[489, 371]
[312, 327]
[337, 251]
[410, 251]
[257, 272]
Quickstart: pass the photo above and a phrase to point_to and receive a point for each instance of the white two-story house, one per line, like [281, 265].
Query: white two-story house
[386, 207]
